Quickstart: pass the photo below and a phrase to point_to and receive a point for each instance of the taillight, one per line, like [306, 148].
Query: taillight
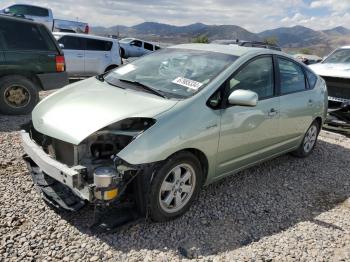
[87, 29]
[60, 63]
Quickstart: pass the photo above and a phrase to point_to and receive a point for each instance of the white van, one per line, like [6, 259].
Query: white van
[88, 55]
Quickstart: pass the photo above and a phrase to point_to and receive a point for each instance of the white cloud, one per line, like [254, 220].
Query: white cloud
[334, 5]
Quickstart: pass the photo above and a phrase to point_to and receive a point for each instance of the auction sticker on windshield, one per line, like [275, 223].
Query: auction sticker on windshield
[125, 69]
[187, 83]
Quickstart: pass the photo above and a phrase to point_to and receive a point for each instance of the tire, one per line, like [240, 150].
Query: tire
[309, 141]
[18, 95]
[165, 188]
[122, 52]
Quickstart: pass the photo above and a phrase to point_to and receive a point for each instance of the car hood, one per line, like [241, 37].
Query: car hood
[332, 70]
[80, 109]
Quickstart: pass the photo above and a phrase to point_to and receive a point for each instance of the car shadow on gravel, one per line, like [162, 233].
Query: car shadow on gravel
[12, 123]
[259, 202]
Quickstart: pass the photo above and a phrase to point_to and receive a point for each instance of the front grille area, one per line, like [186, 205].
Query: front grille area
[64, 152]
[338, 87]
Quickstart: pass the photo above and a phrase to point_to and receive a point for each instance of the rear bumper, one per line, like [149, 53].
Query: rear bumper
[40, 162]
[51, 81]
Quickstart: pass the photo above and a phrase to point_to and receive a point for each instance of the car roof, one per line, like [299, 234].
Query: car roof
[44, 7]
[226, 49]
[18, 19]
[85, 36]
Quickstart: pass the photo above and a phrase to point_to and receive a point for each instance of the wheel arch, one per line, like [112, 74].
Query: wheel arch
[29, 75]
[110, 67]
[319, 120]
[200, 156]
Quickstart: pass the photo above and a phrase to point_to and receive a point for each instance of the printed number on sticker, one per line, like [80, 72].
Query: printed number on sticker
[187, 83]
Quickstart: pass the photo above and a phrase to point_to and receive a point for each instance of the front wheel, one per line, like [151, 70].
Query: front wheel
[309, 141]
[176, 184]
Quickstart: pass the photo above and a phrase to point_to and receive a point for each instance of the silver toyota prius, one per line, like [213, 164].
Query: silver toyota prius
[156, 130]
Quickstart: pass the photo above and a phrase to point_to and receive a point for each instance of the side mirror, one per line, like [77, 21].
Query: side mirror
[61, 45]
[242, 97]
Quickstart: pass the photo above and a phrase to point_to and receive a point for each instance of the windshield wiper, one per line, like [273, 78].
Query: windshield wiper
[145, 87]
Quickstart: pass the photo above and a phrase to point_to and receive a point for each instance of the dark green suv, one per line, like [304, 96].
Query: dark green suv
[30, 61]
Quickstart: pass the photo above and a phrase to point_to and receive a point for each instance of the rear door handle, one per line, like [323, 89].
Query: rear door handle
[273, 112]
[80, 55]
[310, 102]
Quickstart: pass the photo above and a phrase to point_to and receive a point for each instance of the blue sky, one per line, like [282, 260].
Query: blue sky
[254, 15]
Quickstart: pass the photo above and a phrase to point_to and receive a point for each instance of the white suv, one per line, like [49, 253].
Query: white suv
[132, 47]
[88, 55]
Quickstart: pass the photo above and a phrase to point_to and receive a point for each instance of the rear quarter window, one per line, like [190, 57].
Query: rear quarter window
[22, 36]
[148, 46]
[98, 45]
[311, 78]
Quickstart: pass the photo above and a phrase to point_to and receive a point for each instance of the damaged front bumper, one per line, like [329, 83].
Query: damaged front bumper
[42, 167]
[338, 114]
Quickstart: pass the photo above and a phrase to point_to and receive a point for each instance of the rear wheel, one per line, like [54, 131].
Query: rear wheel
[175, 186]
[122, 52]
[18, 95]
[309, 141]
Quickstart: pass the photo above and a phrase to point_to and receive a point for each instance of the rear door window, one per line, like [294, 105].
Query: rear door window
[148, 46]
[136, 43]
[72, 42]
[22, 36]
[98, 45]
[292, 76]
[29, 10]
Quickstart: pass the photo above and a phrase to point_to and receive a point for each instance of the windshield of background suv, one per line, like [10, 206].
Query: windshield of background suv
[178, 73]
[126, 40]
[338, 57]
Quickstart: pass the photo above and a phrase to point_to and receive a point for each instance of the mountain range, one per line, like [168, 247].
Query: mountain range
[289, 38]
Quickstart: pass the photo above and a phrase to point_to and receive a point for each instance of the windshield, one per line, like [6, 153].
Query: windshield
[338, 57]
[177, 73]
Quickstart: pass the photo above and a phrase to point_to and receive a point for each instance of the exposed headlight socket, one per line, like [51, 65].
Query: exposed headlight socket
[106, 180]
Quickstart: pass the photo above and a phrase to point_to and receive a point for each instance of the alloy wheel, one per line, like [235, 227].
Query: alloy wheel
[310, 139]
[177, 188]
[17, 96]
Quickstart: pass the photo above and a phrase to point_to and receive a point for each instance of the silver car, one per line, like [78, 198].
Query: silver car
[156, 130]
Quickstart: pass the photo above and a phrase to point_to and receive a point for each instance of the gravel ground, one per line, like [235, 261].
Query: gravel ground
[283, 210]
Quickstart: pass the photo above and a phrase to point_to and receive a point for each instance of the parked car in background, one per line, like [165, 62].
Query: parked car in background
[154, 131]
[131, 47]
[88, 55]
[30, 61]
[44, 15]
[247, 44]
[308, 59]
[335, 70]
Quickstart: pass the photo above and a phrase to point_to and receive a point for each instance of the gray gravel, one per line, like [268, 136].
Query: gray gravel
[285, 209]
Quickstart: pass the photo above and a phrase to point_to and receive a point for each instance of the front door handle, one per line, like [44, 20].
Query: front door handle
[310, 102]
[273, 112]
